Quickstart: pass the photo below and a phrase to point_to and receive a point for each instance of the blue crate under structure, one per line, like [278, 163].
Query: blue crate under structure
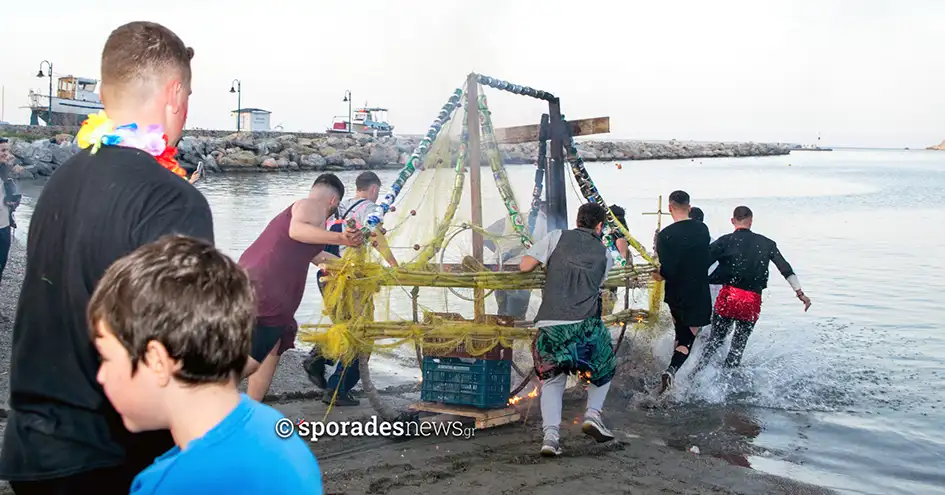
[481, 383]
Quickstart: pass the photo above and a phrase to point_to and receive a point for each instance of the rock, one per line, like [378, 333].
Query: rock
[239, 159]
[355, 163]
[336, 159]
[313, 162]
[63, 138]
[383, 155]
[270, 163]
[61, 153]
[335, 142]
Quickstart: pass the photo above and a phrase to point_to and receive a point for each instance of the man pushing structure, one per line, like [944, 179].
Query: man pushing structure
[571, 336]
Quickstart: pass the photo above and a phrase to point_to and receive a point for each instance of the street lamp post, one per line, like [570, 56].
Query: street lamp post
[237, 87]
[40, 74]
[350, 123]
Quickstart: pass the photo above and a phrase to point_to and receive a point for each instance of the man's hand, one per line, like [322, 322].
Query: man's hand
[352, 237]
[804, 299]
[657, 276]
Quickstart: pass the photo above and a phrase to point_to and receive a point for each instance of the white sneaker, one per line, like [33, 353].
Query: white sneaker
[594, 428]
[551, 446]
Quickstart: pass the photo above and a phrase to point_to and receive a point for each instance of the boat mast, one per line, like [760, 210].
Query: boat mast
[472, 163]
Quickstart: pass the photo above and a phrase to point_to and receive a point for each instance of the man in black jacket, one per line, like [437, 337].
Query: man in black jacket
[743, 258]
[683, 251]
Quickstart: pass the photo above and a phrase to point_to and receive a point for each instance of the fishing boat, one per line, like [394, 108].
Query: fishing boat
[367, 120]
[73, 100]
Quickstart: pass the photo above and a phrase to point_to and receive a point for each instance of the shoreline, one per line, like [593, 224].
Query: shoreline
[39, 151]
[498, 460]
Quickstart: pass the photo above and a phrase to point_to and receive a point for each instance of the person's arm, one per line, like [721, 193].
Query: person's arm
[540, 252]
[623, 247]
[610, 266]
[307, 225]
[788, 273]
[716, 249]
[323, 257]
[668, 257]
[186, 215]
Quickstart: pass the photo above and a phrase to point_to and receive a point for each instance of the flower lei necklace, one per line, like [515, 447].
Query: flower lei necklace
[98, 130]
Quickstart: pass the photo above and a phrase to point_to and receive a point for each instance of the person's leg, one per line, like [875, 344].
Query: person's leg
[685, 336]
[340, 384]
[552, 396]
[5, 240]
[259, 382]
[720, 328]
[264, 339]
[739, 341]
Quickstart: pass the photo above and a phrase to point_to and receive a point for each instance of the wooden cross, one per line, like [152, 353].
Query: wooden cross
[659, 212]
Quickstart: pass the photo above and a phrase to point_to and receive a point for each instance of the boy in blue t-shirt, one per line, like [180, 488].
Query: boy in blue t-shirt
[173, 323]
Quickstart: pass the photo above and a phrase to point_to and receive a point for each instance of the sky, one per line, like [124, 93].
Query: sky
[856, 72]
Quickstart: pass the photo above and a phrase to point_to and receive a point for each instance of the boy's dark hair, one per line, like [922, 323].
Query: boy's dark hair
[182, 292]
[140, 51]
[680, 198]
[620, 214]
[696, 214]
[332, 181]
[741, 213]
[591, 214]
[366, 180]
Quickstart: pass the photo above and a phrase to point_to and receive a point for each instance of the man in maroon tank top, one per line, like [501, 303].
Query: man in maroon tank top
[278, 263]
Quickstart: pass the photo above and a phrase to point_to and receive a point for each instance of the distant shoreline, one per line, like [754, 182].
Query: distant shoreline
[39, 150]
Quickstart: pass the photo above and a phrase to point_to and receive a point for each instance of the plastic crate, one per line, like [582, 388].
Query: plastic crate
[481, 383]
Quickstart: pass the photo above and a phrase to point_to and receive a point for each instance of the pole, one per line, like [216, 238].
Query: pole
[473, 163]
[49, 113]
[350, 114]
[557, 194]
[239, 105]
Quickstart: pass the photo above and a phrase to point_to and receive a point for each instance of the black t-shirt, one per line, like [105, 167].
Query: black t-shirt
[743, 258]
[94, 210]
[683, 250]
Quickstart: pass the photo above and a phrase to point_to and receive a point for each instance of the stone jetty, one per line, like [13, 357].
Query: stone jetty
[39, 151]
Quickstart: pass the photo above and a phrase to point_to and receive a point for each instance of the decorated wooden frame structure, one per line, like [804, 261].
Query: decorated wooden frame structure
[475, 274]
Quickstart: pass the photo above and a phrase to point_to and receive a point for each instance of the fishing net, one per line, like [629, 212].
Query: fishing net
[431, 299]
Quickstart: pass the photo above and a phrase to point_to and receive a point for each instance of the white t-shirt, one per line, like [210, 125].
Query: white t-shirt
[360, 209]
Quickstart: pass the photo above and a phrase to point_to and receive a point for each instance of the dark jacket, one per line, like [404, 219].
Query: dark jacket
[743, 258]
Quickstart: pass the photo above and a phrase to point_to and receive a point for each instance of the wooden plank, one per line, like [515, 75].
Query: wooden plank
[530, 133]
[555, 193]
[473, 162]
[468, 411]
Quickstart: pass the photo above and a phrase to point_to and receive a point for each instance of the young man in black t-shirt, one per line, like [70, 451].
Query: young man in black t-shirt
[63, 435]
[683, 251]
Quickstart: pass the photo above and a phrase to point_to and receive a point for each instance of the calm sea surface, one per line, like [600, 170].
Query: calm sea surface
[848, 395]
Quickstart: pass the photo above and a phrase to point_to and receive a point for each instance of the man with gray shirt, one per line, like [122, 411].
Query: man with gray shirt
[571, 336]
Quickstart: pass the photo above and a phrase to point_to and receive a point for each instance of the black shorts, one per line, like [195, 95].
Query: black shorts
[264, 339]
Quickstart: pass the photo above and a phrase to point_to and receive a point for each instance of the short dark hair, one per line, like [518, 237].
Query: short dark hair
[741, 213]
[696, 213]
[620, 214]
[366, 180]
[4, 140]
[332, 181]
[143, 50]
[590, 214]
[680, 198]
[187, 295]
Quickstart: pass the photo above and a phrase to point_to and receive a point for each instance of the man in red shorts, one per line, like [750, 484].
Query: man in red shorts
[278, 263]
[743, 258]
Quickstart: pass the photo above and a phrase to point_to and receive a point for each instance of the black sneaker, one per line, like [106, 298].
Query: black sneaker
[315, 369]
[340, 400]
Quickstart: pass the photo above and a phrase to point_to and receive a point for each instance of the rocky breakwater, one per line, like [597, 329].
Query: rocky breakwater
[269, 152]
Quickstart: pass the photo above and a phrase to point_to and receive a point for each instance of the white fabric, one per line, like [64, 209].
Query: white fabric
[795, 283]
[552, 395]
[596, 397]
